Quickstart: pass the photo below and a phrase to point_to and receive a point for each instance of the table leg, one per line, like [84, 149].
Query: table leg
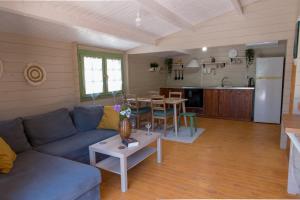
[292, 186]
[159, 150]
[123, 169]
[184, 110]
[175, 118]
[92, 157]
[283, 138]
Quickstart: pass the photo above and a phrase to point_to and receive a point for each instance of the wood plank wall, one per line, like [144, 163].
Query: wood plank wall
[141, 80]
[17, 97]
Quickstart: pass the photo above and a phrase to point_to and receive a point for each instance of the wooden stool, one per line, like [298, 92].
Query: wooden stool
[192, 117]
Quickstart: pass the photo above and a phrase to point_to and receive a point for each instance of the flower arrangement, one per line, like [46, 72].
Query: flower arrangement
[123, 110]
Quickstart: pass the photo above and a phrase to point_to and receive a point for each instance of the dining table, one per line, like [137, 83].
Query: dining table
[171, 101]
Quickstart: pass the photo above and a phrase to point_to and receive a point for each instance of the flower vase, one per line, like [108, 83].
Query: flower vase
[125, 128]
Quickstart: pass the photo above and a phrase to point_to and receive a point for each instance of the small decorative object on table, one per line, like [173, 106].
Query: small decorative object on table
[130, 142]
[133, 124]
[124, 126]
[148, 126]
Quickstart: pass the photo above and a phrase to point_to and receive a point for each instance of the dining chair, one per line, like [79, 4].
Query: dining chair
[193, 121]
[157, 97]
[160, 112]
[176, 95]
[138, 110]
[153, 92]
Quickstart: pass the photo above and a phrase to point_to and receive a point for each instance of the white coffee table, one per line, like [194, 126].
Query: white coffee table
[121, 160]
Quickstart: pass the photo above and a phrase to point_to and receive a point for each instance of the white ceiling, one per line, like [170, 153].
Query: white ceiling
[18, 24]
[109, 23]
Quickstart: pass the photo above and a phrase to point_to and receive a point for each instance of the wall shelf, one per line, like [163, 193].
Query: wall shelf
[222, 64]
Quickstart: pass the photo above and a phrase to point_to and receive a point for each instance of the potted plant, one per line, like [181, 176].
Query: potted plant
[153, 66]
[169, 64]
[124, 114]
[249, 57]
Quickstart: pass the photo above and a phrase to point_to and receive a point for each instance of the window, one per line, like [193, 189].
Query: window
[100, 73]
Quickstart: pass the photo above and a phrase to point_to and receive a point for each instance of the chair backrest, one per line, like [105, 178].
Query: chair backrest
[153, 92]
[158, 104]
[131, 99]
[157, 97]
[175, 95]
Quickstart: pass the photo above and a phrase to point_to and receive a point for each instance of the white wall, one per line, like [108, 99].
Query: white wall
[17, 98]
[237, 73]
[141, 80]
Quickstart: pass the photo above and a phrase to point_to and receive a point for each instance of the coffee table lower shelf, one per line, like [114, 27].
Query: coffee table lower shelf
[112, 164]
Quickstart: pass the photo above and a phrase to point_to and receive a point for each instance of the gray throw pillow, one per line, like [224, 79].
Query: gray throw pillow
[87, 118]
[12, 132]
[49, 127]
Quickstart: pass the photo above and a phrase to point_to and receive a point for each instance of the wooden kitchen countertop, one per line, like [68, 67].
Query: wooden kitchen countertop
[291, 123]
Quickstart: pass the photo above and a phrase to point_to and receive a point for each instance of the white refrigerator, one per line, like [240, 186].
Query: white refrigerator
[268, 90]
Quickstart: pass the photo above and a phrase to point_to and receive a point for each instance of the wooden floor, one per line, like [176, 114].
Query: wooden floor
[229, 160]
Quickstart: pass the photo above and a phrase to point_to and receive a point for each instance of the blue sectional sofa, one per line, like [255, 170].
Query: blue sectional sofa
[52, 155]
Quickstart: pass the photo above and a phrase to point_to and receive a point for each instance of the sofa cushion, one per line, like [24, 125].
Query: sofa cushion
[110, 119]
[49, 127]
[12, 132]
[41, 176]
[7, 157]
[87, 118]
[76, 146]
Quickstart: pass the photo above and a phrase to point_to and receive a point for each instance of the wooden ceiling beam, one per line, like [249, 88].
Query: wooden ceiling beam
[164, 13]
[73, 17]
[237, 6]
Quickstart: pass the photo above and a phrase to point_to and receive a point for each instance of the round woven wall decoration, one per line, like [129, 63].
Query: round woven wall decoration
[1, 68]
[35, 74]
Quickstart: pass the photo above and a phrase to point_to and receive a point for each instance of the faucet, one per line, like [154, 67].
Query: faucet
[223, 79]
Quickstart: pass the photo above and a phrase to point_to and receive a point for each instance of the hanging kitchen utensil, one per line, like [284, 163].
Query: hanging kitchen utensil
[175, 71]
[182, 72]
[182, 75]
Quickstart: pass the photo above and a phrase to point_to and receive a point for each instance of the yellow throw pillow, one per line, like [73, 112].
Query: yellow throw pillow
[7, 157]
[110, 119]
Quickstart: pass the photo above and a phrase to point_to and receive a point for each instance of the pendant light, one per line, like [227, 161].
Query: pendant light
[193, 63]
[138, 19]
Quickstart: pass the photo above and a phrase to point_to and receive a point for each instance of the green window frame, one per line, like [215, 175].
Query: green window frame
[104, 56]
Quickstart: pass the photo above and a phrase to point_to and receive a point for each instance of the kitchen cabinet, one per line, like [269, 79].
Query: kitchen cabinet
[243, 104]
[211, 102]
[229, 104]
[235, 104]
[226, 103]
